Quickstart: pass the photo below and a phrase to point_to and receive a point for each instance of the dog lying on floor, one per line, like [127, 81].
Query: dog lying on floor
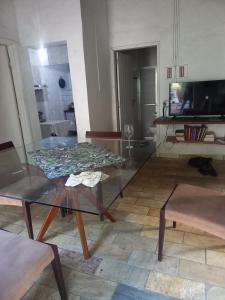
[203, 164]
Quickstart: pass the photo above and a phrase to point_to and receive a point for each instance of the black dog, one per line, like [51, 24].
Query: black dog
[203, 164]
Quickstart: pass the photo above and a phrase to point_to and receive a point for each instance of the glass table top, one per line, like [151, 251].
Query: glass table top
[40, 174]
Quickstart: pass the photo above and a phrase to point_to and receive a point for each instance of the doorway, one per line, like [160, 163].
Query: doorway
[136, 77]
[53, 92]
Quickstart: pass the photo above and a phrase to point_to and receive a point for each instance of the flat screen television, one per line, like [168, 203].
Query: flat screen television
[197, 98]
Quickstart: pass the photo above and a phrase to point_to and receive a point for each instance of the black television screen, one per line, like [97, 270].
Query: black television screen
[202, 98]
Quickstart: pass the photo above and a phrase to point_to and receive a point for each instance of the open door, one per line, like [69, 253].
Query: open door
[24, 92]
[137, 96]
[127, 92]
[10, 126]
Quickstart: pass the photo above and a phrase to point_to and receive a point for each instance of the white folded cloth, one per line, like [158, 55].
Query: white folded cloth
[89, 179]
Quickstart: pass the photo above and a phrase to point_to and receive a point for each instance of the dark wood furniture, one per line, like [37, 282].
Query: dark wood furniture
[172, 139]
[187, 120]
[104, 134]
[193, 206]
[21, 262]
[9, 146]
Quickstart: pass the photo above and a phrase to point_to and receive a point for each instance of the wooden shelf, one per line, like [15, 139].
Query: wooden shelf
[172, 139]
[188, 120]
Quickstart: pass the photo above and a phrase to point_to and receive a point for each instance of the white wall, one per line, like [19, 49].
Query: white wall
[58, 55]
[135, 23]
[9, 37]
[48, 21]
[96, 51]
[8, 26]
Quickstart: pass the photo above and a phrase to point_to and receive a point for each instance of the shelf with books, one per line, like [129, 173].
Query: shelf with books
[195, 129]
[195, 133]
[173, 139]
[188, 120]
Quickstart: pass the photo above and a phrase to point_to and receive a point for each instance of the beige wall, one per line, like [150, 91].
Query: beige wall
[8, 26]
[96, 51]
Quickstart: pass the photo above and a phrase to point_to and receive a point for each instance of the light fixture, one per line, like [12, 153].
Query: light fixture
[175, 86]
[43, 56]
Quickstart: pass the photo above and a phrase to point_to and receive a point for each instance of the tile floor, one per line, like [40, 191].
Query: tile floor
[124, 253]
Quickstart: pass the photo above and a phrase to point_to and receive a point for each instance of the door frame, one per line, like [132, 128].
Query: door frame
[23, 115]
[16, 112]
[115, 87]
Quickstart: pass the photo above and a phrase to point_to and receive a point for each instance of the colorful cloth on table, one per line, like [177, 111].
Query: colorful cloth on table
[73, 159]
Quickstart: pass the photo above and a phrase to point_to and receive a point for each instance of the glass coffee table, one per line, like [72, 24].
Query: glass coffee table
[39, 176]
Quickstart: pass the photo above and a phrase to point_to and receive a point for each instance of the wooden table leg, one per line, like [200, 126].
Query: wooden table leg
[109, 216]
[27, 217]
[60, 196]
[80, 225]
[48, 220]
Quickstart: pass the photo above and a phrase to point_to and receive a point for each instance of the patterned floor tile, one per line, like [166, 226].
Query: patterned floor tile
[13, 227]
[148, 260]
[144, 220]
[43, 292]
[184, 251]
[215, 258]
[216, 293]
[182, 227]
[94, 231]
[154, 212]
[175, 286]
[123, 273]
[131, 208]
[135, 241]
[88, 287]
[76, 261]
[122, 226]
[113, 251]
[203, 241]
[150, 203]
[67, 242]
[202, 272]
[125, 292]
[170, 234]
[127, 200]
